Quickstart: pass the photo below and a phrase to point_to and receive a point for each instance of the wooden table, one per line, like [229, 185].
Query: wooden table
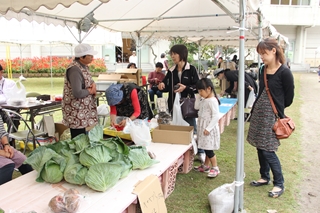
[25, 194]
[35, 109]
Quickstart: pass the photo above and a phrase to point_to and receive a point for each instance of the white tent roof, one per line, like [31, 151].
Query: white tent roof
[206, 20]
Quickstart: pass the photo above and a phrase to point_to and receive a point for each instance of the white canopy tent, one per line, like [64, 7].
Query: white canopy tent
[231, 22]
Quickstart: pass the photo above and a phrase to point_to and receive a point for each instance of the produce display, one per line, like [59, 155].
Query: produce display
[88, 159]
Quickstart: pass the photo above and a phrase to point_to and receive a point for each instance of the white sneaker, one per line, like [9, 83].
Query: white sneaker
[213, 172]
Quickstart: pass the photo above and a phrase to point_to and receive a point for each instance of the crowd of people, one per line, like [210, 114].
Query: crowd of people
[79, 106]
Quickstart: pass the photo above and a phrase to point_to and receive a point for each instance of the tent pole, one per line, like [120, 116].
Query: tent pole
[51, 64]
[238, 196]
[138, 49]
[20, 59]
[199, 58]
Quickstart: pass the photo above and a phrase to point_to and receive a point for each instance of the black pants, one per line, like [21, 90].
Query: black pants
[76, 132]
[7, 170]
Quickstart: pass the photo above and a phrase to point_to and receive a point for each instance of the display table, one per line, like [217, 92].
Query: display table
[24, 194]
[35, 109]
[227, 110]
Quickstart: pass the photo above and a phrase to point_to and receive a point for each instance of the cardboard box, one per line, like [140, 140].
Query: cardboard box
[150, 195]
[172, 134]
[60, 128]
[123, 76]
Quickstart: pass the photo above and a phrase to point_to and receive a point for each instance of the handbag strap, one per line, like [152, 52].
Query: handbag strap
[268, 92]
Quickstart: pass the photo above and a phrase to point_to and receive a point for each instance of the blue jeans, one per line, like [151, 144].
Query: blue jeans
[154, 91]
[269, 160]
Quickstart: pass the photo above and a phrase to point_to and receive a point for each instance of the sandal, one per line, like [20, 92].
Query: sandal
[257, 183]
[275, 194]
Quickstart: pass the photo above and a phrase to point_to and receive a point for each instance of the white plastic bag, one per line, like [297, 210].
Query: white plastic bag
[139, 132]
[221, 199]
[177, 118]
[103, 109]
[17, 95]
[251, 99]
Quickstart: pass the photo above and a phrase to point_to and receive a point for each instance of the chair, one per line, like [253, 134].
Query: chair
[26, 135]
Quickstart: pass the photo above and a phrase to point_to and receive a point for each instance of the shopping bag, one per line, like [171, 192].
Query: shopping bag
[177, 118]
[251, 99]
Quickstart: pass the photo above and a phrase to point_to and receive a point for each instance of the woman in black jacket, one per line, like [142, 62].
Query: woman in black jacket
[181, 78]
[260, 134]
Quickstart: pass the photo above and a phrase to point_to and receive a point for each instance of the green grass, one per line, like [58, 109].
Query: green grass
[192, 189]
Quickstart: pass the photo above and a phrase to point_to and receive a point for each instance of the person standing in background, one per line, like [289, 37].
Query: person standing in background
[133, 58]
[79, 107]
[154, 78]
[260, 135]
[6, 85]
[184, 76]
[164, 61]
[220, 61]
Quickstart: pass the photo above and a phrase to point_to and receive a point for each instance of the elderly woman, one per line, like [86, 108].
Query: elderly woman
[127, 100]
[10, 158]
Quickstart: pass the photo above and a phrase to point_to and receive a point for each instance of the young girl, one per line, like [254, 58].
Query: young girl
[208, 133]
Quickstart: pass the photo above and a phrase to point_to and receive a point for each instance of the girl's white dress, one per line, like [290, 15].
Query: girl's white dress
[208, 118]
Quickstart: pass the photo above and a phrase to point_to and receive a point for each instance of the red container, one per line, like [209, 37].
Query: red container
[144, 80]
[58, 98]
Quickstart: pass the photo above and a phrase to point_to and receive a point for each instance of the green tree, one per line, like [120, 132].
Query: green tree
[192, 48]
[227, 51]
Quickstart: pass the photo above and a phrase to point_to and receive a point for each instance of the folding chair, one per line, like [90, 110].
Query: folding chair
[26, 135]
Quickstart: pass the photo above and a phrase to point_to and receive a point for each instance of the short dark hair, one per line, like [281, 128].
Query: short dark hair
[130, 64]
[181, 50]
[159, 64]
[163, 55]
[1, 68]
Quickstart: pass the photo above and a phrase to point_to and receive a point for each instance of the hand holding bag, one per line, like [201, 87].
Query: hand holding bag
[187, 107]
[283, 126]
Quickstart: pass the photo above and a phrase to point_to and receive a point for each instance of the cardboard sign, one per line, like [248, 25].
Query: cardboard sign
[150, 195]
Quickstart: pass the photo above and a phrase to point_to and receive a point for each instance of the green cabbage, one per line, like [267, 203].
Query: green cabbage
[103, 176]
[140, 158]
[51, 173]
[94, 155]
[75, 174]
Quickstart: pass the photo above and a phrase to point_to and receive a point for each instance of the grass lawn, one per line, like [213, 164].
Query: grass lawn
[192, 189]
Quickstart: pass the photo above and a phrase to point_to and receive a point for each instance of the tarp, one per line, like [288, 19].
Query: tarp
[25, 32]
[212, 21]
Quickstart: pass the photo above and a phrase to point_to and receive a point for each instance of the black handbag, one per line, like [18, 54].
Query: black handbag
[187, 107]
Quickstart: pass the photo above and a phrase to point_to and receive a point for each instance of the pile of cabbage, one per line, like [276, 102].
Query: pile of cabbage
[88, 159]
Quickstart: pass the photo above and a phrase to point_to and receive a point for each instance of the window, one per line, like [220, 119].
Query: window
[290, 2]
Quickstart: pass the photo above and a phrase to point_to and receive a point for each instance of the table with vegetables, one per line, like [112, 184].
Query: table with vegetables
[90, 174]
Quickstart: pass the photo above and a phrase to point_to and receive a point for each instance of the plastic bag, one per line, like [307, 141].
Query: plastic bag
[103, 109]
[177, 118]
[139, 132]
[251, 99]
[69, 202]
[17, 95]
[221, 199]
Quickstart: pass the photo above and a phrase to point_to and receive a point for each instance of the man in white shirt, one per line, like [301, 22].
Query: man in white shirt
[133, 58]
[5, 86]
